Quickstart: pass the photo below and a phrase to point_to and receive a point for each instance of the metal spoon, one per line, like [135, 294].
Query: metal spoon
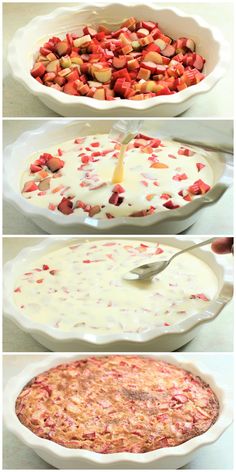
[149, 270]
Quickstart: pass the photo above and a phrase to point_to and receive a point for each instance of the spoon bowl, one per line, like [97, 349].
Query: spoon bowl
[146, 271]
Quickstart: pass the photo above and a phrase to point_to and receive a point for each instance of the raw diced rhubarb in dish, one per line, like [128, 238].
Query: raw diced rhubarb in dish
[81, 287]
[137, 61]
[117, 403]
[75, 177]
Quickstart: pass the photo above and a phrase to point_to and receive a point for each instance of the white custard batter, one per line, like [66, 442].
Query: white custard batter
[88, 186]
[80, 288]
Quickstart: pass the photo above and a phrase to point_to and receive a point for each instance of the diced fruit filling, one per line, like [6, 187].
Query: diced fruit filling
[134, 62]
[76, 177]
[81, 287]
[117, 403]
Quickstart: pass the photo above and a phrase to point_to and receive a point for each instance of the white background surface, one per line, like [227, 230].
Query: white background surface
[216, 456]
[19, 102]
[215, 336]
[216, 219]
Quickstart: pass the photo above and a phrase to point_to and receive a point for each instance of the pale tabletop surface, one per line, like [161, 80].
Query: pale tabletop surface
[216, 336]
[214, 220]
[216, 456]
[17, 101]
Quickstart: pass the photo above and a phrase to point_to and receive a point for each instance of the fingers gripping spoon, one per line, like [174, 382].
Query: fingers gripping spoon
[123, 132]
[148, 271]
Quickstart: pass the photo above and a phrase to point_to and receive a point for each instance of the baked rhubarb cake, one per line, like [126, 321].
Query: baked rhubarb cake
[116, 404]
[137, 61]
[80, 287]
[76, 177]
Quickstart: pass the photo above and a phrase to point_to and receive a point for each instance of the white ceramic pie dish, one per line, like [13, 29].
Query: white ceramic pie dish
[56, 131]
[165, 458]
[159, 339]
[26, 41]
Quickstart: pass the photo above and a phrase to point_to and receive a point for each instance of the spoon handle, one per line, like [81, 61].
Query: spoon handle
[194, 246]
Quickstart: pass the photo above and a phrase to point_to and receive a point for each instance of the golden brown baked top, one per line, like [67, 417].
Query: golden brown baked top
[117, 403]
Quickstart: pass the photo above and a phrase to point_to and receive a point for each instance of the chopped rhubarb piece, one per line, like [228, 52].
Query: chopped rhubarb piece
[186, 195]
[99, 94]
[119, 62]
[87, 30]
[168, 51]
[85, 159]
[141, 213]
[62, 48]
[17, 290]
[44, 184]
[38, 70]
[34, 168]
[154, 57]
[185, 152]
[130, 23]
[170, 205]
[101, 74]
[198, 62]
[200, 166]
[144, 74]
[109, 216]
[199, 187]
[65, 206]
[201, 296]
[146, 40]
[155, 143]
[82, 41]
[94, 210]
[165, 196]
[114, 198]
[159, 251]
[54, 164]
[118, 189]
[180, 177]
[70, 88]
[149, 25]
[79, 140]
[30, 186]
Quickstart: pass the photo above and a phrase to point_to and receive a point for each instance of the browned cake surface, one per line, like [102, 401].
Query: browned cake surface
[117, 404]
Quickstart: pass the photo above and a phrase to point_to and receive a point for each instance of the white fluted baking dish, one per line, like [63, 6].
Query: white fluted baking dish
[167, 338]
[165, 458]
[167, 222]
[27, 40]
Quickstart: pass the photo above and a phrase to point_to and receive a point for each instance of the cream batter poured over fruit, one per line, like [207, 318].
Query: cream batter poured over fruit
[80, 287]
[76, 178]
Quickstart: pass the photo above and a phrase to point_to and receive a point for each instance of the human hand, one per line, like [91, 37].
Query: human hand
[223, 246]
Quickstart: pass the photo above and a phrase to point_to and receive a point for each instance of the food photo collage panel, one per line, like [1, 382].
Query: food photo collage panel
[118, 235]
